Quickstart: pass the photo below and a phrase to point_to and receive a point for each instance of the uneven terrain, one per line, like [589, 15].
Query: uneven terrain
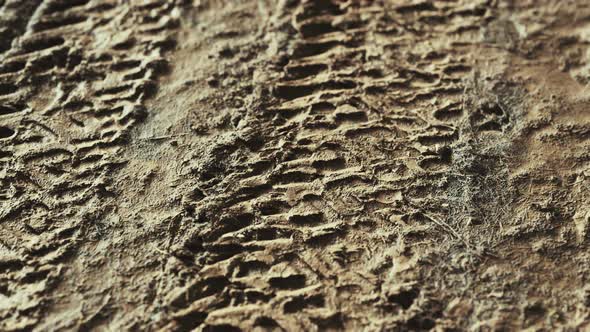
[293, 165]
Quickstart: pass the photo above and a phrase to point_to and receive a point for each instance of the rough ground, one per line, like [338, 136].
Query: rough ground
[387, 165]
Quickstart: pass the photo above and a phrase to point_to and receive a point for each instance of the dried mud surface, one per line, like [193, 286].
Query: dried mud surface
[386, 165]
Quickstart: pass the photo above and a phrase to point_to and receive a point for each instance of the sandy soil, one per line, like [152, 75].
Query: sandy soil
[293, 165]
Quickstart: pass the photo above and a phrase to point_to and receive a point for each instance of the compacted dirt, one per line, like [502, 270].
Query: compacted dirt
[387, 165]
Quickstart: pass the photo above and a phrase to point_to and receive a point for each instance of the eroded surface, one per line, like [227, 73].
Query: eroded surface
[294, 165]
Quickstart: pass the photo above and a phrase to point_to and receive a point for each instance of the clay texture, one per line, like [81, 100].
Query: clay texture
[294, 165]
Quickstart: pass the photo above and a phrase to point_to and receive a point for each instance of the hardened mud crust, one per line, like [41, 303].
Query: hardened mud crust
[294, 165]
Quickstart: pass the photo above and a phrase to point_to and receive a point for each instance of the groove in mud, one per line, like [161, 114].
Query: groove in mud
[293, 165]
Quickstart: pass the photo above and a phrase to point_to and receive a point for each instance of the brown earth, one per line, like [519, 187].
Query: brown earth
[387, 165]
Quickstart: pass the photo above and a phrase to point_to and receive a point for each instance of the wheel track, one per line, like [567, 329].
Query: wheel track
[315, 208]
[317, 186]
[56, 73]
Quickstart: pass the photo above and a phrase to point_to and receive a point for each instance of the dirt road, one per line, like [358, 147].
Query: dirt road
[387, 165]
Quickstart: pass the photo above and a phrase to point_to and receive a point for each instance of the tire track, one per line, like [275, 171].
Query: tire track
[59, 73]
[314, 201]
[293, 165]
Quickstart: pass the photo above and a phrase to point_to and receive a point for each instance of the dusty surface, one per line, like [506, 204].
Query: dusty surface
[294, 165]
